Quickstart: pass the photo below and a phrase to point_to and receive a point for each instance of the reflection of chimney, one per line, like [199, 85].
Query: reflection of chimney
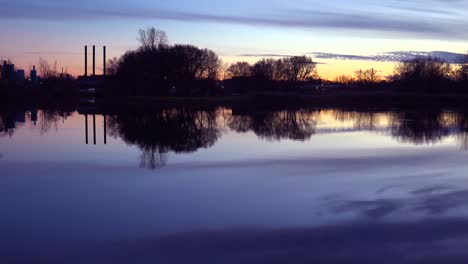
[94, 60]
[86, 128]
[85, 60]
[104, 61]
[94, 128]
[105, 130]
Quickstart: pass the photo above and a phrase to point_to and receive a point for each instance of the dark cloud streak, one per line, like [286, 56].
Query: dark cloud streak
[393, 56]
[402, 26]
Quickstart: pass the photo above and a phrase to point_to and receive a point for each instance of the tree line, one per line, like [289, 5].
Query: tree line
[417, 74]
[158, 68]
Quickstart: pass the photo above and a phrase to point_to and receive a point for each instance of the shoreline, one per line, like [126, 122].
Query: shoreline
[336, 99]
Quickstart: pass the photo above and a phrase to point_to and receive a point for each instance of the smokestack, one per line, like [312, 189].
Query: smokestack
[85, 60]
[86, 128]
[94, 60]
[94, 129]
[104, 61]
[105, 130]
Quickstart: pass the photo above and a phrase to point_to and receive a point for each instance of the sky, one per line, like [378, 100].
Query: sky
[342, 35]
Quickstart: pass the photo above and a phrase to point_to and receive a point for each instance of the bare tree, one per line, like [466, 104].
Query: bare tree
[461, 74]
[209, 64]
[239, 69]
[367, 76]
[425, 72]
[265, 69]
[300, 67]
[345, 79]
[296, 68]
[372, 75]
[152, 38]
[45, 68]
[113, 66]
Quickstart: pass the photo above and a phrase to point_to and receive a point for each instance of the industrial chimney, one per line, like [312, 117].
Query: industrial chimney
[85, 60]
[104, 68]
[104, 61]
[94, 60]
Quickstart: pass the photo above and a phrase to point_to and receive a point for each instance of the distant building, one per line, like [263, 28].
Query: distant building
[8, 71]
[20, 76]
[33, 77]
[34, 115]
[20, 116]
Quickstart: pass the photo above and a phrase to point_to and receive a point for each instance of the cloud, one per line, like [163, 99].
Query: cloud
[265, 55]
[393, 56]
[346, 21]
[272, 55]
[52, 53]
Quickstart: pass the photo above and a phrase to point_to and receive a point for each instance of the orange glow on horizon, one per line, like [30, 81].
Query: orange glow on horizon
[326, 69]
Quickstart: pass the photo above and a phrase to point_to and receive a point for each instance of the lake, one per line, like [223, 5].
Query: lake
[225, 185]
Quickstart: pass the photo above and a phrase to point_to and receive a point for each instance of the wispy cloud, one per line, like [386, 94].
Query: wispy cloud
[449, 25]
[393, 56]
[52, 53]
[265, 55]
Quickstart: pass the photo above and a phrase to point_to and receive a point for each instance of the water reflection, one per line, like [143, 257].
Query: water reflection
[159, 132]
[361, 196]
[420, 127]
[185, 130]
[45, 120]
[276, 125]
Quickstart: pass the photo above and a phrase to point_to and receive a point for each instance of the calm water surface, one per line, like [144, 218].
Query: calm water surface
[227, 186]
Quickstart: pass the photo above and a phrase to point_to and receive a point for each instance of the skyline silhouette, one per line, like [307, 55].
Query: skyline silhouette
[237, 29]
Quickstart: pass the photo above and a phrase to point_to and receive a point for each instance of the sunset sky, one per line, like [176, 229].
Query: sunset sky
[343, 35]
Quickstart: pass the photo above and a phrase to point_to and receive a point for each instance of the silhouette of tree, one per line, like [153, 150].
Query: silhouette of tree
[425, 73]
[155, 70]
[461, 74]
[298, 68]
[291, 69]
[44, 68]
[113, 66]
[265, 69]
[152, 38]
[368, 76]
[345, 79]
[239, 69]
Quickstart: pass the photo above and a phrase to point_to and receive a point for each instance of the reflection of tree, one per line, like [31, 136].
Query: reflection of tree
[361, 120]
[152, 157]
[419, 127]
[49, 119]
[6, 118]
[277, 125]
[157, 133]
[2, 128]
[460, 120]
[2, 123]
